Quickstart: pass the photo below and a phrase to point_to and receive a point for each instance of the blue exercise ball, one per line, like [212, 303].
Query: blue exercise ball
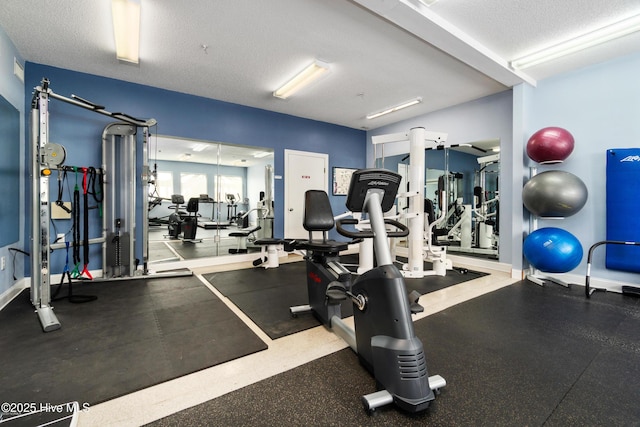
[554, 194]
[552, 250]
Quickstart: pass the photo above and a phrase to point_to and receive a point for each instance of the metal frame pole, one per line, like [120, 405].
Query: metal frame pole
[416, 201]
[145, 200]
[40, 272]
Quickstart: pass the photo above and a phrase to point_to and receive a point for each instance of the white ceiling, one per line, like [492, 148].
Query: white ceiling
[381, 52]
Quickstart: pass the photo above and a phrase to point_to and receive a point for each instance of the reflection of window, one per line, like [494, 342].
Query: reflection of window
[164, 185]
[230, 185]
[192, 185]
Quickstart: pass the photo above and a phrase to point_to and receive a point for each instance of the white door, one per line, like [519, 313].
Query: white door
[302, 171]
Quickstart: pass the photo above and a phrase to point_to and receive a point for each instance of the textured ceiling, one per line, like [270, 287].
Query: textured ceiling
[381, 51]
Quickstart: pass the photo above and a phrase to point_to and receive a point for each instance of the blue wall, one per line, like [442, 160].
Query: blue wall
[12, 90]
[187, 116]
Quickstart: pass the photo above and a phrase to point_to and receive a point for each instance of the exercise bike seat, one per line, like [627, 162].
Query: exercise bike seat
[328, 246]
[318, 217]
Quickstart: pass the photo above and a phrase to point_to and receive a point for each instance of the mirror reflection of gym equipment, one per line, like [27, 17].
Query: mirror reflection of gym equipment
[475, 230]
[183, 224]
[465, 206]
[233, 188]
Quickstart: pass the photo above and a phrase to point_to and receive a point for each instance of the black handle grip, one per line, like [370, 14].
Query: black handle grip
[89, 103]
[403, 230]
[365, 234]
[126, 116]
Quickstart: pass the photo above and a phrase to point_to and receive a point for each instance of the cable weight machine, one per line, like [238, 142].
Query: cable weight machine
[119, 202]
[119, 162]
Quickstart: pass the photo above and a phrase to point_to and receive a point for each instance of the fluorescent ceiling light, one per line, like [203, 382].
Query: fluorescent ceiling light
[126, 28]
[427, 2]
[584, 41]
[302, 79]
[200, 147]
[405, 104]
[261, 154]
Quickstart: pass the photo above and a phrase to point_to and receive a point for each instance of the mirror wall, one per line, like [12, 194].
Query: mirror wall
[207, 198]
[461, 192]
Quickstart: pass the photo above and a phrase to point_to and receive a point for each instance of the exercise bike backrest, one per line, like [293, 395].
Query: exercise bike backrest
[372, 191]
[318, 215]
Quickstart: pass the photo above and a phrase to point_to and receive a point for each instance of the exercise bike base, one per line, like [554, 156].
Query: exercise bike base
[345, 332]
[294, 311]
[383, 397]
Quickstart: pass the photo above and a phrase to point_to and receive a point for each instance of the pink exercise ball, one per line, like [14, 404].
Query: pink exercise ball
[550, 145]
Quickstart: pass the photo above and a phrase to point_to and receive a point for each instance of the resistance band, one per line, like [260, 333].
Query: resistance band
[76, 228]
[66, 274]
[62, 177]
[85, 243]
[98, 196]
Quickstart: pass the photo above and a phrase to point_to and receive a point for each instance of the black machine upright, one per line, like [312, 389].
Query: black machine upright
[384, 337]
[183, 223]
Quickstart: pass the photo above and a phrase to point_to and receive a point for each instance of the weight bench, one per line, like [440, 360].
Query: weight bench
[268, 252]
[241, 237]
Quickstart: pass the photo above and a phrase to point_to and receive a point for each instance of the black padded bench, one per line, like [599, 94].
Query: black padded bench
[242, 235]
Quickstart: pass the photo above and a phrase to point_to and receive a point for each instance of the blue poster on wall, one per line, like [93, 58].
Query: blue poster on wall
[623, 205]
[9, 173]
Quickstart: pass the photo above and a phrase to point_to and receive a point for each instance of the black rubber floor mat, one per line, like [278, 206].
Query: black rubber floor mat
[136, 334]
[265, 295]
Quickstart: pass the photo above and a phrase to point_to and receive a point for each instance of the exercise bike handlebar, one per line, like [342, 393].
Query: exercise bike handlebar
[402, 231]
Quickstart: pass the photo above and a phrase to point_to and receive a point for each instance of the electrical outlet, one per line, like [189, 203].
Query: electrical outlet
[3, 263]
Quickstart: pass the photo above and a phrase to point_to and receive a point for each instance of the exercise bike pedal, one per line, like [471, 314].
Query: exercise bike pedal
[336, 292]
[414, 305]
[416, 308]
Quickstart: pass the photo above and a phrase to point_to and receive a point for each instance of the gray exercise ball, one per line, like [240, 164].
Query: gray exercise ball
[555, 194]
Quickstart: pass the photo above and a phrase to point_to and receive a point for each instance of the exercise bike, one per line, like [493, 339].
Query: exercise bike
[183, 225]
[383, 338]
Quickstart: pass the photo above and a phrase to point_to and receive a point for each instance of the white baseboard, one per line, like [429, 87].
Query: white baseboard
[479, 264]
[517, 274]
[594, 282]
[8, 295]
